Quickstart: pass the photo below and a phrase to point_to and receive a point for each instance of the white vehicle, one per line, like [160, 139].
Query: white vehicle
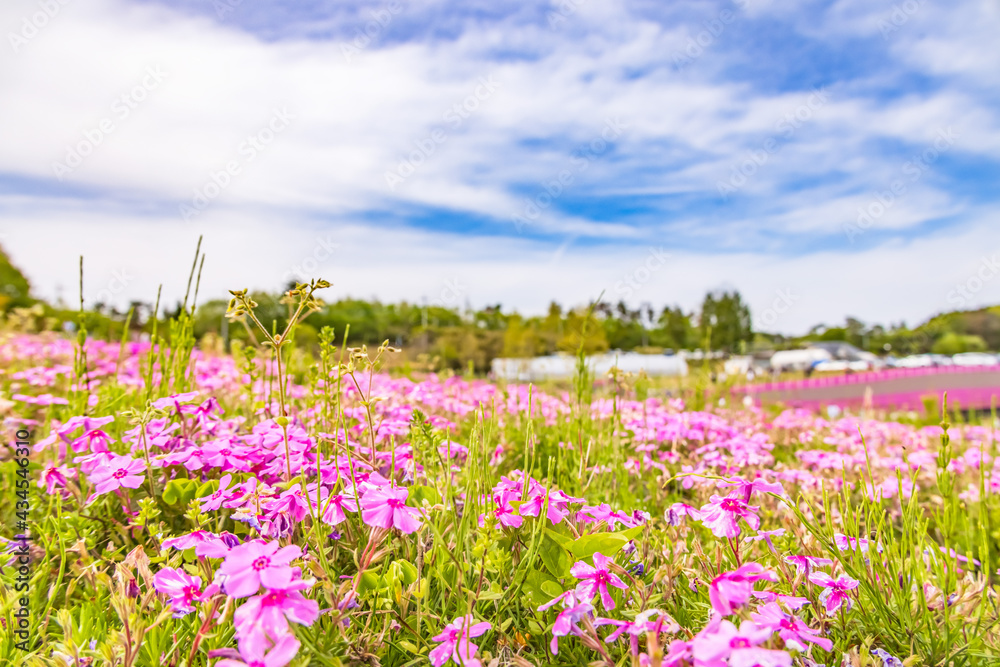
[924, 361]
[975, 359]
[799, 360]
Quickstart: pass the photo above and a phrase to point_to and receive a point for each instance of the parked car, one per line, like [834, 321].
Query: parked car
[975, 359]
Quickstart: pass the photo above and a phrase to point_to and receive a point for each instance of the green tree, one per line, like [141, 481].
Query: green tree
[727, 319]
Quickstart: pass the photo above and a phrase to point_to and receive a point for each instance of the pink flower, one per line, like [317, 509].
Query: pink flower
[720, 643]
[54, 477]
[281, 654]
[792, 630]
[733, 589]
[675, 513]
[603, 512]
[265, 617]
[568, 619]
[252, 564]
[214, 501]
[837, 590]
[721, 515]
[807, 563]
[115, 473]
[745, 489]
[386, 508]
[504, 511]
[596, 580]
[766, 535]
[455, 643]
[333, 510]
[182, 589]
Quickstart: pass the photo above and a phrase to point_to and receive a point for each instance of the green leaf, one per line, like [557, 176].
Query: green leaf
[554, 557]
[409, 572]
[606, 543]
[179, 491]
[538, 584]
[418, 494]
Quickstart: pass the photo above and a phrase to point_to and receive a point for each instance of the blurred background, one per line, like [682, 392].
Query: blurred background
[477, 179]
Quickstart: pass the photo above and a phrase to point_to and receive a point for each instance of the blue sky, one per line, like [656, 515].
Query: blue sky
[523, 151]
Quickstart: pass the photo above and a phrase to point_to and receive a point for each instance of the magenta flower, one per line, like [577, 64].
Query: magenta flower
[386, 508]
[734, 589]
[837, 591]
[744, 488]
[115, 473]
[55, 477]
[792, 630]
[567, 622]
[214, 501]
[721, 516]
[720, 643]
[674, 515]
[806, 564]
[504, 511]
[264, 618]
[182, 589]
[455, 643]
[257, 563]
[281, 654]
[596, 579]
[766, 535]
[333, 511]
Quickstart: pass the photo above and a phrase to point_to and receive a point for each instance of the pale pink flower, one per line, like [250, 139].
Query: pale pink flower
[385, 507]
[456, 644]
[596, 579]
[265, 618]
[257, 563]
[721, 643]
[792, 630]
[721, 516]
[182, 589]
[281, 654]
[734, 589]
[115, 473]
[837, 591]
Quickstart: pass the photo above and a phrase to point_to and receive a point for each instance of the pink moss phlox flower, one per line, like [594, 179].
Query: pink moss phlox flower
[56, 477]
[678, 653]
[674, 515]
[734, 589]
[215, 499]
[205, 544]
[281, 654]
[845, 543]
[721, 516]
[745, 488]
[574, 611]
[116, 473]
[721, 643]
[558, 502]
[182, 589]
[253, 564]
[792, 602]
[792, 630]
[642, 624]
[837, 591]
[335, 506]
[603, 512]
[386, 508]
[456, 644]
[806, 564]
[265, 618]
[766, 535]
[175, 401]
[596, 579]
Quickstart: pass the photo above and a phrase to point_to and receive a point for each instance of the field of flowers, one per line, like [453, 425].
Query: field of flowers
[166, 505]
